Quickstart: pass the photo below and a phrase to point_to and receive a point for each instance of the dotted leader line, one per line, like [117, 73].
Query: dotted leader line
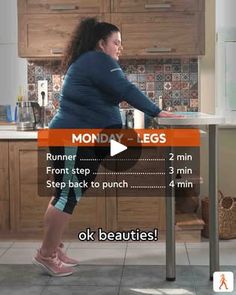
[122, 159]
[131, 173]
[147, 186]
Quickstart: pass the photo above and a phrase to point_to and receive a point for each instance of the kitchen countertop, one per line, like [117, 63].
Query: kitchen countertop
[189, 118]
[10, 132]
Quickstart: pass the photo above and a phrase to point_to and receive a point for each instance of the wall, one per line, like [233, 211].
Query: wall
[13, 70]
[225, 14]
[219, 14]
[175, 79]
[225, 19]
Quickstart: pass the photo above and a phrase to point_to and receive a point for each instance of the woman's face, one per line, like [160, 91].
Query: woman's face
[112, 46]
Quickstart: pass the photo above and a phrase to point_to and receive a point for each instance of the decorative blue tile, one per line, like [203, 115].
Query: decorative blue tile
[167, 103]
[142, 85]
[159, 85]
[141, 69]
[167, 94]
[184, 93]
[186, 102]
[150, 77]
[39, 77]
[159, 68]
[193, 67]
[150, 86]
[150, 94]
[176, 61]
[168, 77]
[167, 68]
[175, 94]
[185, 60]
[176, 77]
[185, 68]
[159, 93]
[56, 95]
[132, 77]
[193, 77]
[160, 77]
[184, 76]
[176, 102]
[160, 61]
[193, 85]
[141, 78]
[167, 85]
[176, 68]
[38, 71]
[168, 61]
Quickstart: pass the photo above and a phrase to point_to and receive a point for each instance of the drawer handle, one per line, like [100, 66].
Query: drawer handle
[63, 7]
[158, 49]
[151, 6]
[56, 51]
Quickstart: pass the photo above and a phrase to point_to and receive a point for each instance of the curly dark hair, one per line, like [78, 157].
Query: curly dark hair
[85, 38]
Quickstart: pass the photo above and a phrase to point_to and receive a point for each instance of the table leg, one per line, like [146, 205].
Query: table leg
[170, 220]
[213, 201]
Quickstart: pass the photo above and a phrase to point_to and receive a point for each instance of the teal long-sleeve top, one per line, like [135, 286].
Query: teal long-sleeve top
[93, 87]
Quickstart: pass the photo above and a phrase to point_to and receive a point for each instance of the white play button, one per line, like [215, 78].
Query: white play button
[116, 147]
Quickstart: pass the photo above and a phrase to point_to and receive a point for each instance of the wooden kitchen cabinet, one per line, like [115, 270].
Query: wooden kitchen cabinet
[63, 6]
[4, 188]
[138, 207]
[149, 28]
[156, 5]
[161, 34]
[152, 28]
[44, 27]
[46, 35]
[28, 208]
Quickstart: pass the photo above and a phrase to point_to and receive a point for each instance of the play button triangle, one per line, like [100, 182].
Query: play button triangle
[116, 147]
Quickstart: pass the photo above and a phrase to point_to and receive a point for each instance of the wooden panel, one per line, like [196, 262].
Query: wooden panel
[156, 5]
[144, 213]
[45, 35]
[28, 208]
[4, 187]
[4, 216]
[64, 6]
[183, 35]
[4, 173]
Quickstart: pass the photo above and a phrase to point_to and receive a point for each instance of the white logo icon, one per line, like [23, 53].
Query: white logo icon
[223, 281]
[116, 147]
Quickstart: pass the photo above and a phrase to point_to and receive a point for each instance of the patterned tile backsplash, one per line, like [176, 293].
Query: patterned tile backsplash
[174, 79]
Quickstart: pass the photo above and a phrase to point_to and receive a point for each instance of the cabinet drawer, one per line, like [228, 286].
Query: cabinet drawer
[65, 6]
[46, 35]
[156, 5]
[154, 34]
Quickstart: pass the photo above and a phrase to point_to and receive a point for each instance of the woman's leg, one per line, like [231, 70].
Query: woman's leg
[55, 222]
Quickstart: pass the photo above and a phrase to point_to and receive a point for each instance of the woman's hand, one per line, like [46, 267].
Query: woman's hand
[164, 114]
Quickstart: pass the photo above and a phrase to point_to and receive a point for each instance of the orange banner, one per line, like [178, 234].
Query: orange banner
[129, 137]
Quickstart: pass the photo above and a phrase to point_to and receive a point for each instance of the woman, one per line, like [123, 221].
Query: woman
[94, 86]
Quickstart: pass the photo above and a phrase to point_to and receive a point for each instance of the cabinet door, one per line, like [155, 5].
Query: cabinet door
[28, 208]
[4, 187]
[164, 34]
[45, 35]
[64, 6]
[156, 5]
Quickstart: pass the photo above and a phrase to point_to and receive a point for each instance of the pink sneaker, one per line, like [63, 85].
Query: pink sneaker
[67, 261]
[52, 265]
